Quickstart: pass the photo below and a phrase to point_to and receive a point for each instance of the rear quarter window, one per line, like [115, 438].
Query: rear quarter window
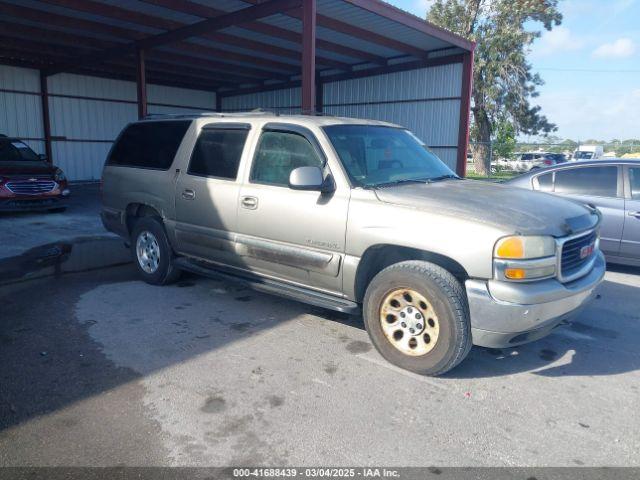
[148, 144]
[596, 181]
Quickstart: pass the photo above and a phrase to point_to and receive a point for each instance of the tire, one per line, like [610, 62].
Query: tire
[438, 304]
[152, 254]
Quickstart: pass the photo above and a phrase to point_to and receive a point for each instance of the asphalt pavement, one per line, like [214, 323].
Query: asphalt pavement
[98, 368]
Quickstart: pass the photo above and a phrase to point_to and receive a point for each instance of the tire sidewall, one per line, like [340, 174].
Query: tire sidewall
[447, 343]
[153, 225]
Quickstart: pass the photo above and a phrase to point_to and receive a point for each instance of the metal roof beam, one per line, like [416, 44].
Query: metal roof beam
[361, 33]
[170, 60]
[160, 23]
[386, 10]
[205, 11]
[25, 57]
[210, 25]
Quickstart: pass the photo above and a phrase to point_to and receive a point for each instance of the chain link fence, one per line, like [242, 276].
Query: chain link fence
[507, 160]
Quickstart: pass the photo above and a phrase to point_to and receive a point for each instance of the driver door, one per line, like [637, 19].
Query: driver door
[292, 235]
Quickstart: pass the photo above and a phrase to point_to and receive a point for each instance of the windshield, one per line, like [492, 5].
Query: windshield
[375, 155]
[583, 155]
[16, 151]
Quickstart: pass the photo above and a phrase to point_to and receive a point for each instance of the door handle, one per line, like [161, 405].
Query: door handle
[635, 214]
[188, 194]
[250, 203]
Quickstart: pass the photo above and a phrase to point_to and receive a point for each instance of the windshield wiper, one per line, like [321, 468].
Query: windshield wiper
[443, 177]
[396, 182]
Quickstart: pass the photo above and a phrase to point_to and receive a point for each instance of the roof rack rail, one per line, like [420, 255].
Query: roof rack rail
[257, 111]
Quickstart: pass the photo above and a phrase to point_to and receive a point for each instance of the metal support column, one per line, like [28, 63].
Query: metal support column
[141, 84]
[46, 121]
[465, 104]
[308, 56]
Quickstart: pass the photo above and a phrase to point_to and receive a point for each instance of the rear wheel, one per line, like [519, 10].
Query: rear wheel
[152, 253]
[417, 316]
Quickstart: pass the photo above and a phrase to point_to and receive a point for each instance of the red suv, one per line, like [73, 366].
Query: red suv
[27, 180]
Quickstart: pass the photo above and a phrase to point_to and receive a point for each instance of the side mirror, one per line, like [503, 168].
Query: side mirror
[310, 178]
[42, 157]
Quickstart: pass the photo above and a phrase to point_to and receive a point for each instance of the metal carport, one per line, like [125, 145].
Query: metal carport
[345, 57]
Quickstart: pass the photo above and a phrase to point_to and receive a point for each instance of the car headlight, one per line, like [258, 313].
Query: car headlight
[59, 176]
[524, 258]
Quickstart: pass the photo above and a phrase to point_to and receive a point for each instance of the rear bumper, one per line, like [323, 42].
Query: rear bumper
[534, 309]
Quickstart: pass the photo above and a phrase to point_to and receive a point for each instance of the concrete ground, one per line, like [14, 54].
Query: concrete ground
[20, 231]
[98, 368]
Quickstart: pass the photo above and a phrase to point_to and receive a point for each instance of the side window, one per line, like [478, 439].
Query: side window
[217, 152]
[545, 182]
[148, 144]
[597, 181]
[280, 152]
[634, 178]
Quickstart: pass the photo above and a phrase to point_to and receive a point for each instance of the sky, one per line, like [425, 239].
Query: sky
[590, 65]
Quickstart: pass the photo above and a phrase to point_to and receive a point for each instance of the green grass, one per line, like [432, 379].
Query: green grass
[495, 177]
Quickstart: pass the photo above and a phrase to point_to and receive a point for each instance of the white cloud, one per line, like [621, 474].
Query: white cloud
[558, 40]
[621, 48]
[596, 114]
[423, 6]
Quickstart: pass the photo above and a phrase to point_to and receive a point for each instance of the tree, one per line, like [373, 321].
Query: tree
[503, 83]
[505, 140]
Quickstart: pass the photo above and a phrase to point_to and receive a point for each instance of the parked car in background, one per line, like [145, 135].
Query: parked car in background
[612, 186]
[588, 152]
[353, 215]
[27, 180]
[524, 162]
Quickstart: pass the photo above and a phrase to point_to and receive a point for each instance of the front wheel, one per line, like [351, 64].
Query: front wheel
[417, 316]
[152, 253]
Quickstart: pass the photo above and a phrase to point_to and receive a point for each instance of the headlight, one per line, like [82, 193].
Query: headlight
[59, 176]
[524, 258]
[522, 247]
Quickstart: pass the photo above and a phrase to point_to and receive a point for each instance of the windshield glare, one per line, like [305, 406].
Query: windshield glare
[16, 151]
[375, 155]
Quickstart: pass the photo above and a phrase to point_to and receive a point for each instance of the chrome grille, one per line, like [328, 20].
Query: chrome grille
[571, 263]
[31, 187]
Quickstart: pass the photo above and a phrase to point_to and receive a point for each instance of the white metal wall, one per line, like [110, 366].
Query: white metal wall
[427, 101]
[21, 109]
[286, 101]
[86, 114]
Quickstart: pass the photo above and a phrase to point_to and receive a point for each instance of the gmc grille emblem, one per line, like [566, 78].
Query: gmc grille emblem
[586, 251]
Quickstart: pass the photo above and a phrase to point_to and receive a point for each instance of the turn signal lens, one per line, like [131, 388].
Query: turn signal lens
[525, 247]
[515, 273]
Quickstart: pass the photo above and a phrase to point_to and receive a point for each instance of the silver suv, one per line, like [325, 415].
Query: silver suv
[352, 215]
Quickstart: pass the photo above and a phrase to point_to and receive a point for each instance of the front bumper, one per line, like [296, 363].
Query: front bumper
[507, 314]
[17, 204]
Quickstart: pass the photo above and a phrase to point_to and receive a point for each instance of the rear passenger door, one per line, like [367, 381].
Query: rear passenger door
[206, 194]
[600, 186]
[630, 246]
[292, 235]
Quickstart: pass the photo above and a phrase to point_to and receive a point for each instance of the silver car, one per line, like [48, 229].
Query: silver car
[356, 216]
[612, 186]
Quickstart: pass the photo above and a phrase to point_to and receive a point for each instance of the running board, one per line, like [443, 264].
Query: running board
[274, 287]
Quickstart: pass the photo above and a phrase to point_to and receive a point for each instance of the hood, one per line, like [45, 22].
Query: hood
[513, 209]
[22, 168]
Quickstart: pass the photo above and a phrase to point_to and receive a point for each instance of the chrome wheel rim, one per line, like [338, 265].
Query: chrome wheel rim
[409, 322]
[148, 252]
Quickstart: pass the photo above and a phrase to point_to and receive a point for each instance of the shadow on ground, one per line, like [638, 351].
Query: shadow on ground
[48, 359]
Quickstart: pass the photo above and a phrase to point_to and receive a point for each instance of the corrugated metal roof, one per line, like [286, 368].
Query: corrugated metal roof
[349, 33]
